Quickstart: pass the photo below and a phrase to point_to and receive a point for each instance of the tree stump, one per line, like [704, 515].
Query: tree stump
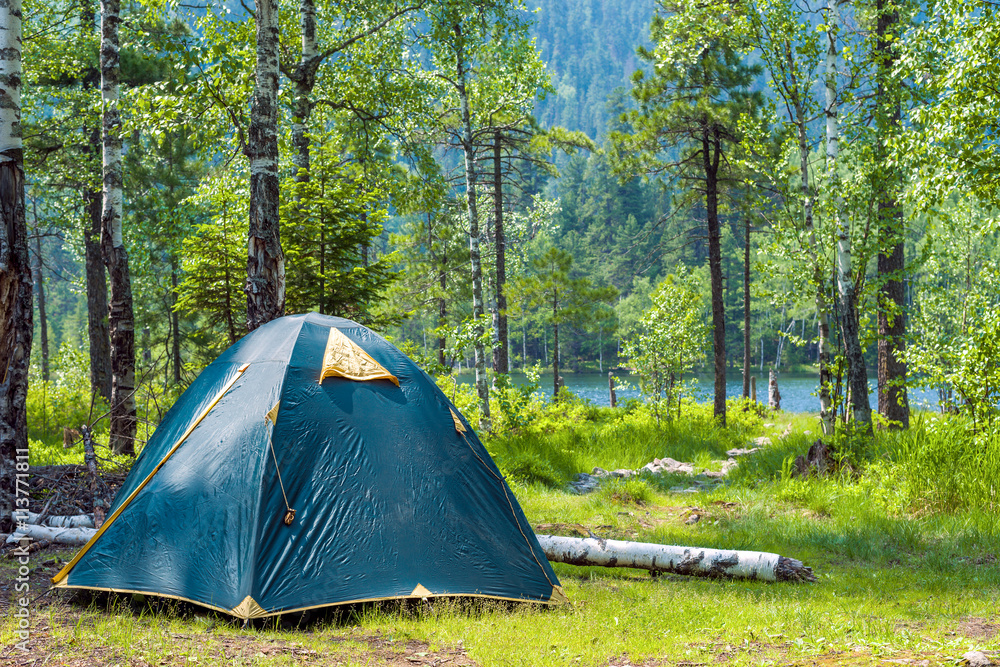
[773, 395]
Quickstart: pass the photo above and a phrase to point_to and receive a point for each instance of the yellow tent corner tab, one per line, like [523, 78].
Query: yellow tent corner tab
[248, 609]
[558, 596]
[344, 358]
[420, 591]
[458, 422]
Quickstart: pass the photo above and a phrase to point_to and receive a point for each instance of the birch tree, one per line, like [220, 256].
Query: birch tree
[15, 269]
[121, 319]
[97, 283]
[265, 286]
[464, 35]
[468, 148]
[857, 374]
[357, 26]
[791, 52]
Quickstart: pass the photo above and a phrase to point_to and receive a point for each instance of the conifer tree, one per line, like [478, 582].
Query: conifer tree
[685, 129]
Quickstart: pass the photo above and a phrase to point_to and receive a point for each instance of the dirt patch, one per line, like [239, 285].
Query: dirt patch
[195, 649]
[979, 629]
[858, 658]
[68, 633]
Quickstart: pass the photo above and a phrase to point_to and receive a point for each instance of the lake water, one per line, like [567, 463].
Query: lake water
[798, 393]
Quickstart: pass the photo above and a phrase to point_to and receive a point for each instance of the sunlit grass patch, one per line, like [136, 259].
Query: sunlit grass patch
[904, 566]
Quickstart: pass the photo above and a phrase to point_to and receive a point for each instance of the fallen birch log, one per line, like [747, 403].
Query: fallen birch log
[71, 536]
[676, 560]
[74, 521]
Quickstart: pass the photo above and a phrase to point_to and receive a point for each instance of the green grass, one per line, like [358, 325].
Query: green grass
[570, 437]
[904, 538]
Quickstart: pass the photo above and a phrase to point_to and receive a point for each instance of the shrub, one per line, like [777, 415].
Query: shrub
[463, 396]
[515, 406]
[65, 400]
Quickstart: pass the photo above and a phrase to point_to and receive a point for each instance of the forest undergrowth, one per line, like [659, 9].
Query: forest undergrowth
[902, 532]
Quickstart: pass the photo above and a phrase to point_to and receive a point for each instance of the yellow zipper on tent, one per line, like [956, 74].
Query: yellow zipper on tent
[63, 573]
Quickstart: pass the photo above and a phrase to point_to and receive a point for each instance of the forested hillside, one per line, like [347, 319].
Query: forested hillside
[589, 50]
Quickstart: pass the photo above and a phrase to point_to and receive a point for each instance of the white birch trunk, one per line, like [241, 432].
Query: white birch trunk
[16, 313]
[857, 375]
[265, 286]
[121, 319]
[825, 401]
[676, 560]
[304, 80]
[76, 537]
[10, 78]
[833, 149]
[477, 269]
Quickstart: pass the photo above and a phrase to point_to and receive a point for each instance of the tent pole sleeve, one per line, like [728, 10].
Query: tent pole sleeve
[69, 566]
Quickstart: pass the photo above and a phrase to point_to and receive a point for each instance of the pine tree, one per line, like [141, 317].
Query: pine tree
[685, 128]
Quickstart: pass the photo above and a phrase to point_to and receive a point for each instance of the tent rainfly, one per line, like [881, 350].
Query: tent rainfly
[313, 464]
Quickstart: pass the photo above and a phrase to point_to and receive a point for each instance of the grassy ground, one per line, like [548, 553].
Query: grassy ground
[900, 581]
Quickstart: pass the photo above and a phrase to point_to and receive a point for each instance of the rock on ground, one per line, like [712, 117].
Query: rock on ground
[976, 659]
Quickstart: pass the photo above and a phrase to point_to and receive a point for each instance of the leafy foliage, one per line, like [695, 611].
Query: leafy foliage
[669, 339]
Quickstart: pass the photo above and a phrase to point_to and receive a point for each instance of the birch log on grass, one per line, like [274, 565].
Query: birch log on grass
[76, 537]
[676, 560]
[70, 521]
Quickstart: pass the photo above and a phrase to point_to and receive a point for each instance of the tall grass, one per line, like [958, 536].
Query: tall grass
[938, 465]
[941, 464]
[570, 436]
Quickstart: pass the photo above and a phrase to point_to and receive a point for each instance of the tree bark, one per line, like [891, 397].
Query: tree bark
[857, 373]
[694, 561]
[43, 323]
[91, 461]
[304, 79]
[57, 521]
[819, 280]
[120, 315]
[711, 152]
[501, 355]
[75, 537]
[477, 269]
[746, 307]
[97, 296]
[265, 286]
[175, 325]
[97, 285]
[892, 399]
[16, 327]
